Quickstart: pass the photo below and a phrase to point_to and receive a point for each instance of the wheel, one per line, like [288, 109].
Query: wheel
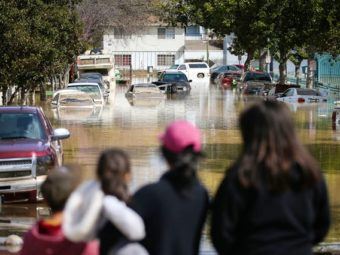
[200, 75]
[173, 89]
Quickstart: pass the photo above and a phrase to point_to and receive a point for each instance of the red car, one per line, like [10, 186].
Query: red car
[29, 149]
[227, 79]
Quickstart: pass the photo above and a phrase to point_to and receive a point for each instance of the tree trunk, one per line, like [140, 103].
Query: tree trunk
[4, 95]
[31, 97]
[60, 80]
[262, 60]
[42, 93]
[297, 71]
[249, 58]
[22, 96]
[310, 74]
[297, 74]
[10, 101]
[283, 71]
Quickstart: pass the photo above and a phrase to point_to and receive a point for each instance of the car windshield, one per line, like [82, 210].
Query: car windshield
[168, 77]
[234, 68]
[91, 76]
[92, 90]
[92, 80]
[307, 92]
[174, 67]
[198, 65]
[257, 77]
[19, 126]
[221, 69]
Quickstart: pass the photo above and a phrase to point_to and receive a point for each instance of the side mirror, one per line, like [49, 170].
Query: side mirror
[190, 80]
[60, 133]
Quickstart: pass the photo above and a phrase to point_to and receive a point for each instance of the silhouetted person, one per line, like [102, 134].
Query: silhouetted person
[46, 237]
[174, 208]
[273, 199]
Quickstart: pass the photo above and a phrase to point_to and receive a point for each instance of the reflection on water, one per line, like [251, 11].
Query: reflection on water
[135, 128]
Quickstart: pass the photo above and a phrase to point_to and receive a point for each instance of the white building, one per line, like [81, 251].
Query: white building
[157, 46]
[160, 46]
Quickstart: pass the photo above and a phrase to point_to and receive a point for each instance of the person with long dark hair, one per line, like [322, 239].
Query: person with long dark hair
[98, 208]
[273, 199]
[175, 207]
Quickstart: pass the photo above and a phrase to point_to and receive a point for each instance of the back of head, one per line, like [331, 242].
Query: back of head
[58, 186]
[181, 147]
[272, 148]
[112, 168]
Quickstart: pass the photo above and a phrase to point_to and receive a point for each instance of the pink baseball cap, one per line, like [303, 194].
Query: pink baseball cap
[179, 135]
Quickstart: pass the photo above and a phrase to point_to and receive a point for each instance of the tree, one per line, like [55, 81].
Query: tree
[97, 15]
[39, 40]
[281, 25]
[296, 57]
[324, 36]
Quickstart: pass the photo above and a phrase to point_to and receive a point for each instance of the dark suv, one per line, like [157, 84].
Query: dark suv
[255, 83]
[173, 81]
[29, 149]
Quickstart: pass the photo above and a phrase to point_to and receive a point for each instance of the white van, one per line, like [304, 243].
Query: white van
[195, 70]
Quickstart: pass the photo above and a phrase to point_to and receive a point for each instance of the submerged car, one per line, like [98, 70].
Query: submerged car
[29, 149]
[144, 94]
[214, 77]
[144, 90]
[278, 90]
[90, 88]
[103, 86]
[229, 79]
[172, 81]
[302, 95]
[72, 98]
[255, 83]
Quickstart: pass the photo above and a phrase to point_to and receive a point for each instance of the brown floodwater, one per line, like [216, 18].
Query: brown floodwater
[135, 127]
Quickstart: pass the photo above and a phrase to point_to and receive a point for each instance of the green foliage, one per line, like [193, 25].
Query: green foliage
[39, 40]
[281, 25]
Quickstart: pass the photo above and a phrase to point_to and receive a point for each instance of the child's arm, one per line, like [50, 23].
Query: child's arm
[126, 220]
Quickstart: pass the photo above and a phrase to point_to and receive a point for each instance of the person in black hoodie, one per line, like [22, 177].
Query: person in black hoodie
[174, 209]
[273, 199]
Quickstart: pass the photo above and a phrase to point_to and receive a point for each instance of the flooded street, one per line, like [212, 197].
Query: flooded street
[135, 126]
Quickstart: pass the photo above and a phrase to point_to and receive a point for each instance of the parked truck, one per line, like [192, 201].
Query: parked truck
[93, 63]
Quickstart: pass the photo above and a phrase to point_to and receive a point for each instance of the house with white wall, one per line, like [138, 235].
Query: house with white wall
[156, 45]
[160, 46]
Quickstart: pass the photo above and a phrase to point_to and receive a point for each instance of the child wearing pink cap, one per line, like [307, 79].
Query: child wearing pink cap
[174, 208]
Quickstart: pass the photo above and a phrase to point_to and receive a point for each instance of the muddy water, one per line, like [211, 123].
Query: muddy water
[135, 126]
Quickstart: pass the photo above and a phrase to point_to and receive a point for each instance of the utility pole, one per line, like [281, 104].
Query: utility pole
[207, 50]
[225, 50]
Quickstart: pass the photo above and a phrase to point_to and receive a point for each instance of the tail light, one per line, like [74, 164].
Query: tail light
[301, 100]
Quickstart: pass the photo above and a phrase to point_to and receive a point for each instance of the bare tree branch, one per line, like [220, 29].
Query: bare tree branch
[128, 16]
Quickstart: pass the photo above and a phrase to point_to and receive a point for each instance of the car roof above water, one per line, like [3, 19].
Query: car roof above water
[24, 109]
[173, 71]
[83, 83]
[144, 85]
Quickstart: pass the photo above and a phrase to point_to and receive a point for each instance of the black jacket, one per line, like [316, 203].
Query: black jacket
[262, 222]
[173, 221]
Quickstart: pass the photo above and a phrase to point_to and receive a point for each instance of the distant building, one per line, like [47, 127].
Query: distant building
[160, 46]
